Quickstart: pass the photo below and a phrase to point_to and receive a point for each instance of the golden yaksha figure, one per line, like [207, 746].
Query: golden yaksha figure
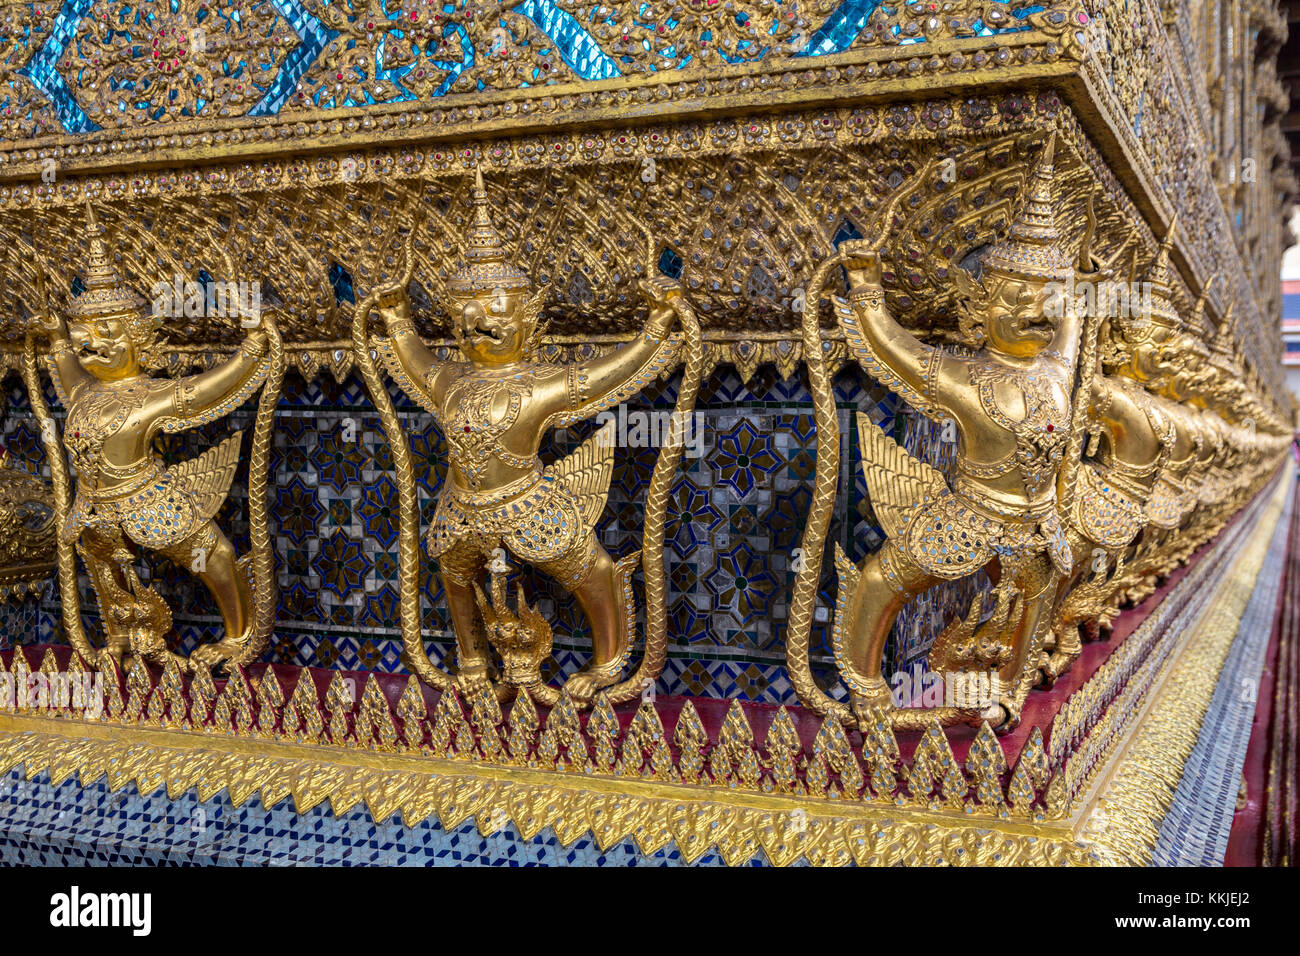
[125, 496]
[1010, 402]
[493, 407]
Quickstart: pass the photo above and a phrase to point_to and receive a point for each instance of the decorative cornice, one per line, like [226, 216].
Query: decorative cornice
[723, 58]
[736, 824]
[865, 78]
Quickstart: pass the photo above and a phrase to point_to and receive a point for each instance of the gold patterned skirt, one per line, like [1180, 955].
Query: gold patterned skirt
[537, 519]
[161, 513]
[1167, 505]
[951, 538]
[1104, 513]
[157, 507]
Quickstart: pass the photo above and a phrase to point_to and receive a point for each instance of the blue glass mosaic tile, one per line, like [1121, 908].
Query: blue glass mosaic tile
[265, 87]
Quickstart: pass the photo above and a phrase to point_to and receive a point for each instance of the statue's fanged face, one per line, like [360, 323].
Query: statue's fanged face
[490, 328]
[1017, 321]
[1154, 360]
[105, 348]
[1177, 367]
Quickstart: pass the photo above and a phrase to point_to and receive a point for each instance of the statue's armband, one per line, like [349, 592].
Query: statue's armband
[191, 413]
[51, 362]
[420, 392]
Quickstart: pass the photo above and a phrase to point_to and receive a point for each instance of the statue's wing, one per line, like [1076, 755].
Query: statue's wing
[208, 476]
[897, 482]
[586, 473]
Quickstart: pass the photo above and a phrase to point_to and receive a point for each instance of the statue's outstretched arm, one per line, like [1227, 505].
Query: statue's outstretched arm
[1089, 270]
[207, 396]
[918, 372]
[65, 368]
[1069, 334]
[601, 383]
[413, 365]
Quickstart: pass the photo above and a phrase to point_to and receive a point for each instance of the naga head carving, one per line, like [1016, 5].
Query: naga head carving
[109, 324]
[522, 638]
[494, 319]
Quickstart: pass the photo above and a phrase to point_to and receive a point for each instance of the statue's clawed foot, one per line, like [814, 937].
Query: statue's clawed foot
[1057, 663]
[584, 685]
[1065, 653]
[1096, 631]
[215, 657]
[113, 653]
[870, 706]
[471, 679]
[1003, 716]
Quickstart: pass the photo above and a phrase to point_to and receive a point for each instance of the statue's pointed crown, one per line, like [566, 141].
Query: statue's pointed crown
[1033, 247]
[1223, 350]
[105, 293]
[1161, 276]
[1197, 325]
[487, 261]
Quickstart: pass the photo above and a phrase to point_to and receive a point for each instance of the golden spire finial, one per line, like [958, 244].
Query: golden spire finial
[482, 219]
[1199, 310]
[1223, 349]
[1159, 273]
[1161, 276]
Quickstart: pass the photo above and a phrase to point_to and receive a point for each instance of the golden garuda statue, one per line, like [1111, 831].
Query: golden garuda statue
[1132, 436]
[1009, 400]
[126, 498]
[1174, 366]
[493, 406]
